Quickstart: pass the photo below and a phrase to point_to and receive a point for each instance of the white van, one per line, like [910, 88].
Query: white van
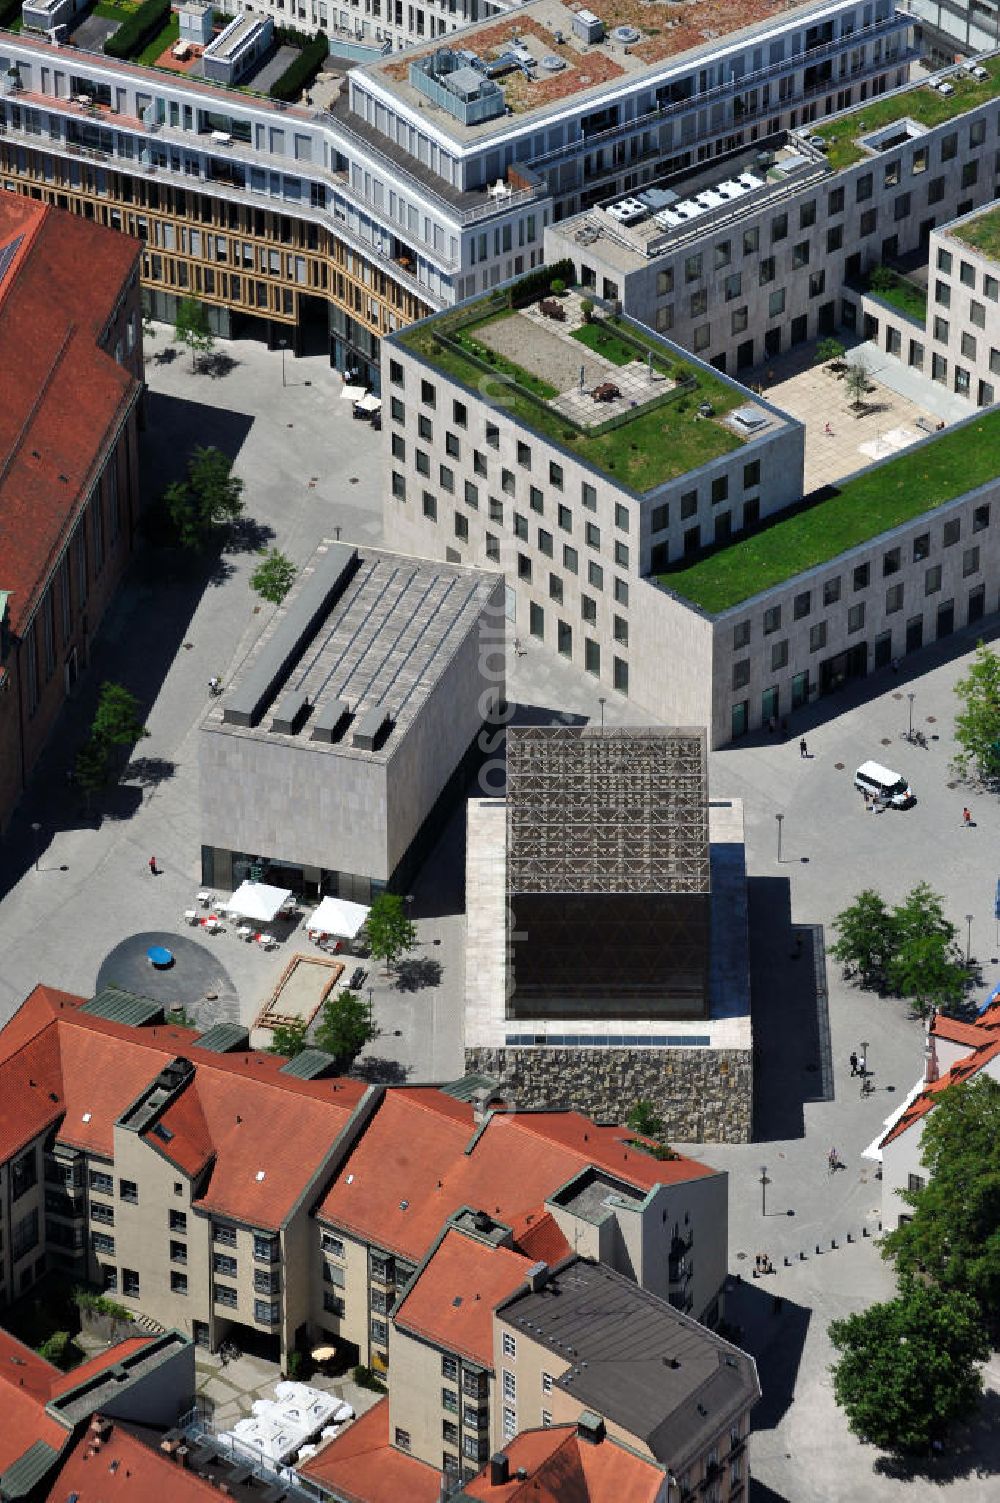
[884, 784]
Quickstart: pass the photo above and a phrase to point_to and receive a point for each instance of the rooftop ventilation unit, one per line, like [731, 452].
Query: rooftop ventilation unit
[626, 35]
[330, 721]
[291, 711]
[590, 1427]
[551, 63]
[588, 27]
[372, 729]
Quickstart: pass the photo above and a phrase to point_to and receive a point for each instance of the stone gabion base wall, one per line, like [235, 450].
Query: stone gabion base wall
[703, 1095]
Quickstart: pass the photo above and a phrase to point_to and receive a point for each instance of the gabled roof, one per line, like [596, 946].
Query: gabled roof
[124, 1471]
[451, 1301]
[61, 395]
[983, 1037]
[360, 1465]
[262, 1133]
[423, 1156]
[559, 1467]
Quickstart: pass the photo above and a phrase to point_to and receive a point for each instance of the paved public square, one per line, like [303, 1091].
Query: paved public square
[310, 469]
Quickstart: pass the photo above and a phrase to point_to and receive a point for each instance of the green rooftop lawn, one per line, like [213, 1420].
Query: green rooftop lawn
[922, 103]
[659, 443]
[982, 233]
[603, 340]
[881, 498]
[908, 297]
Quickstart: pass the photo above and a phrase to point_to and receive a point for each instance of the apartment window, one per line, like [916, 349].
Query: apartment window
[935, 190]
[831, 591]
[449, 1367]
[509, 1422]
[536, 618]
[564, 639]
[461, 527]
[944, 260]
[422, 462]
[102, 1243]
[24, 1236]
[779, 655]
[733, 286]
[595, 575]
[471, 495]
[24, 1174]
[588, 495]
[991, 288]
[699, 304]
[332, 1244]
[130, 1283]
[267, 1312]
[380, 1333]
[105, 1214]
[776, 303]
[265, 1247]
[446, 478]
[970, 175]
[834, 239]
[939, 368]
[664, 319]
[915, 1182]
[493, 435]
[921, 547]
[555, 589]
[129, 1190]
[398, 447]
[224, 1264]
[942, 293]
[535, 499]
[333, 1304]
[592, 533]
[524, 455]
[977, 133]
[692, 267]
[178, 1282]
[689, 504]
[479, 463]
[802, 605]
[588, 609]
[741, 673]
[817, 636]
[723, 254]
[664, 282]
[592, 657]
[779, 228]
[403, 1441]
[103, 1183]
[430, 506]
[509, 1345]
[428, 394]
[863, 187]
[507, 482]
[570, 559]
[398, 486]
[856, 616]
[524, 567]
[977, 314]
[981, 518]
[970, 562]
[565, 518]
[952, 532]
[178, 1252]
[555, 475]
[223, 1234]
[741, 635]
[621, 591]
[520, 527]
[968, 346]
[901, 207]
[949, 150]
[891, 561]
[893, 599]
[835, 202]
[425, 428]
[765, 271]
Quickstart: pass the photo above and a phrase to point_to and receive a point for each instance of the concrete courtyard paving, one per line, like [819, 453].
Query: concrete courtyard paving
[309, 468]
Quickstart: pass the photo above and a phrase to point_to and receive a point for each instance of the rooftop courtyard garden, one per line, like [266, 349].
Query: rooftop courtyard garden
[982, 233]
[907, 296]
[921, 103]
[641, 447]
[926, 476]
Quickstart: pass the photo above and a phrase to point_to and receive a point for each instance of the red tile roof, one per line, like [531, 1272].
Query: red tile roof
[561, 1468]
[452, 1299]
[982, 1036]
[362, 1467]
[61, 396]
[540, 1239]
[237, 1112]
[417, 1163]
[142, 1475]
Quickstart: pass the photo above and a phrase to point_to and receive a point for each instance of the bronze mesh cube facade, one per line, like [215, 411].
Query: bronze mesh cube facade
[607, 873]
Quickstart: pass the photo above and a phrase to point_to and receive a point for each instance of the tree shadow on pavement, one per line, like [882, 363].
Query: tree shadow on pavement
[149, 772]
[791, 1028]
[413, 975]
[973, 1451]
[380, 1071]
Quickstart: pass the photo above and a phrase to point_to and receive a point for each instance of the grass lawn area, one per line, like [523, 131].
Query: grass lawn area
[904, 295]
[982, 233]
[939, 470]
[115, 10]
[658, 444]
[603, 340]
[163, 39]
[923, 104]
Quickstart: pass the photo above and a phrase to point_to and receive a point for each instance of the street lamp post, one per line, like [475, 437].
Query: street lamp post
[864, 1060]
[283, 346]
[763, 1189]
[909, 734]
[371, 1001]
[36, 829]
[968, 938]
[779, 818]
[602, 701]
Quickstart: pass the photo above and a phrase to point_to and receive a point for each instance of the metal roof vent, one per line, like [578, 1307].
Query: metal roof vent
[626, 34]
[552, 63]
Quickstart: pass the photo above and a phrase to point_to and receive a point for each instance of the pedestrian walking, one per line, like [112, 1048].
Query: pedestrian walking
[153, 868]
[967, 818]
[833, 1160]
[828, 431]
[803, 749]
[854, 1064]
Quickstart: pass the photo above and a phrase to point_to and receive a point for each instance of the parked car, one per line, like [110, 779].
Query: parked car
[358, 978]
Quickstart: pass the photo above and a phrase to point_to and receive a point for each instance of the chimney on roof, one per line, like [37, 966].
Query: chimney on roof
[590, 1427]
[537, 1276]
[931, 1070]
[499, 1469]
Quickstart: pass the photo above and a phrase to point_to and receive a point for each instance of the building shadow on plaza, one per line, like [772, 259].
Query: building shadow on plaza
[791, 1028]
[773, 1330]
[142, 634]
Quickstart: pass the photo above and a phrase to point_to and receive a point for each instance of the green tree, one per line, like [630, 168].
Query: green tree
[191, 328]
[390, 933]
[587, 309]
[90, 769]
[557, 287]
[273, 576]
[210, 496]
[977, 722]
[866, 939]
[645, 1119]
[927, 963]
[117, 720]
[909, 1368]
[345, 1027]
[882, 279]
[288, 1039]
[829, 350]
[952, 1237]
[856, 381]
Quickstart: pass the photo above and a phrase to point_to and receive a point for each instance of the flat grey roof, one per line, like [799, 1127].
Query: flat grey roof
[369, 628]
[635, 1359]
[591, 1194]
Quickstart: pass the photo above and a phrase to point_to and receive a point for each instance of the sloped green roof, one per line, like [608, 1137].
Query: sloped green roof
[222, 1038]
[466, 1088]
[310, 1064]
[119, 1006]
[23, 1475]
